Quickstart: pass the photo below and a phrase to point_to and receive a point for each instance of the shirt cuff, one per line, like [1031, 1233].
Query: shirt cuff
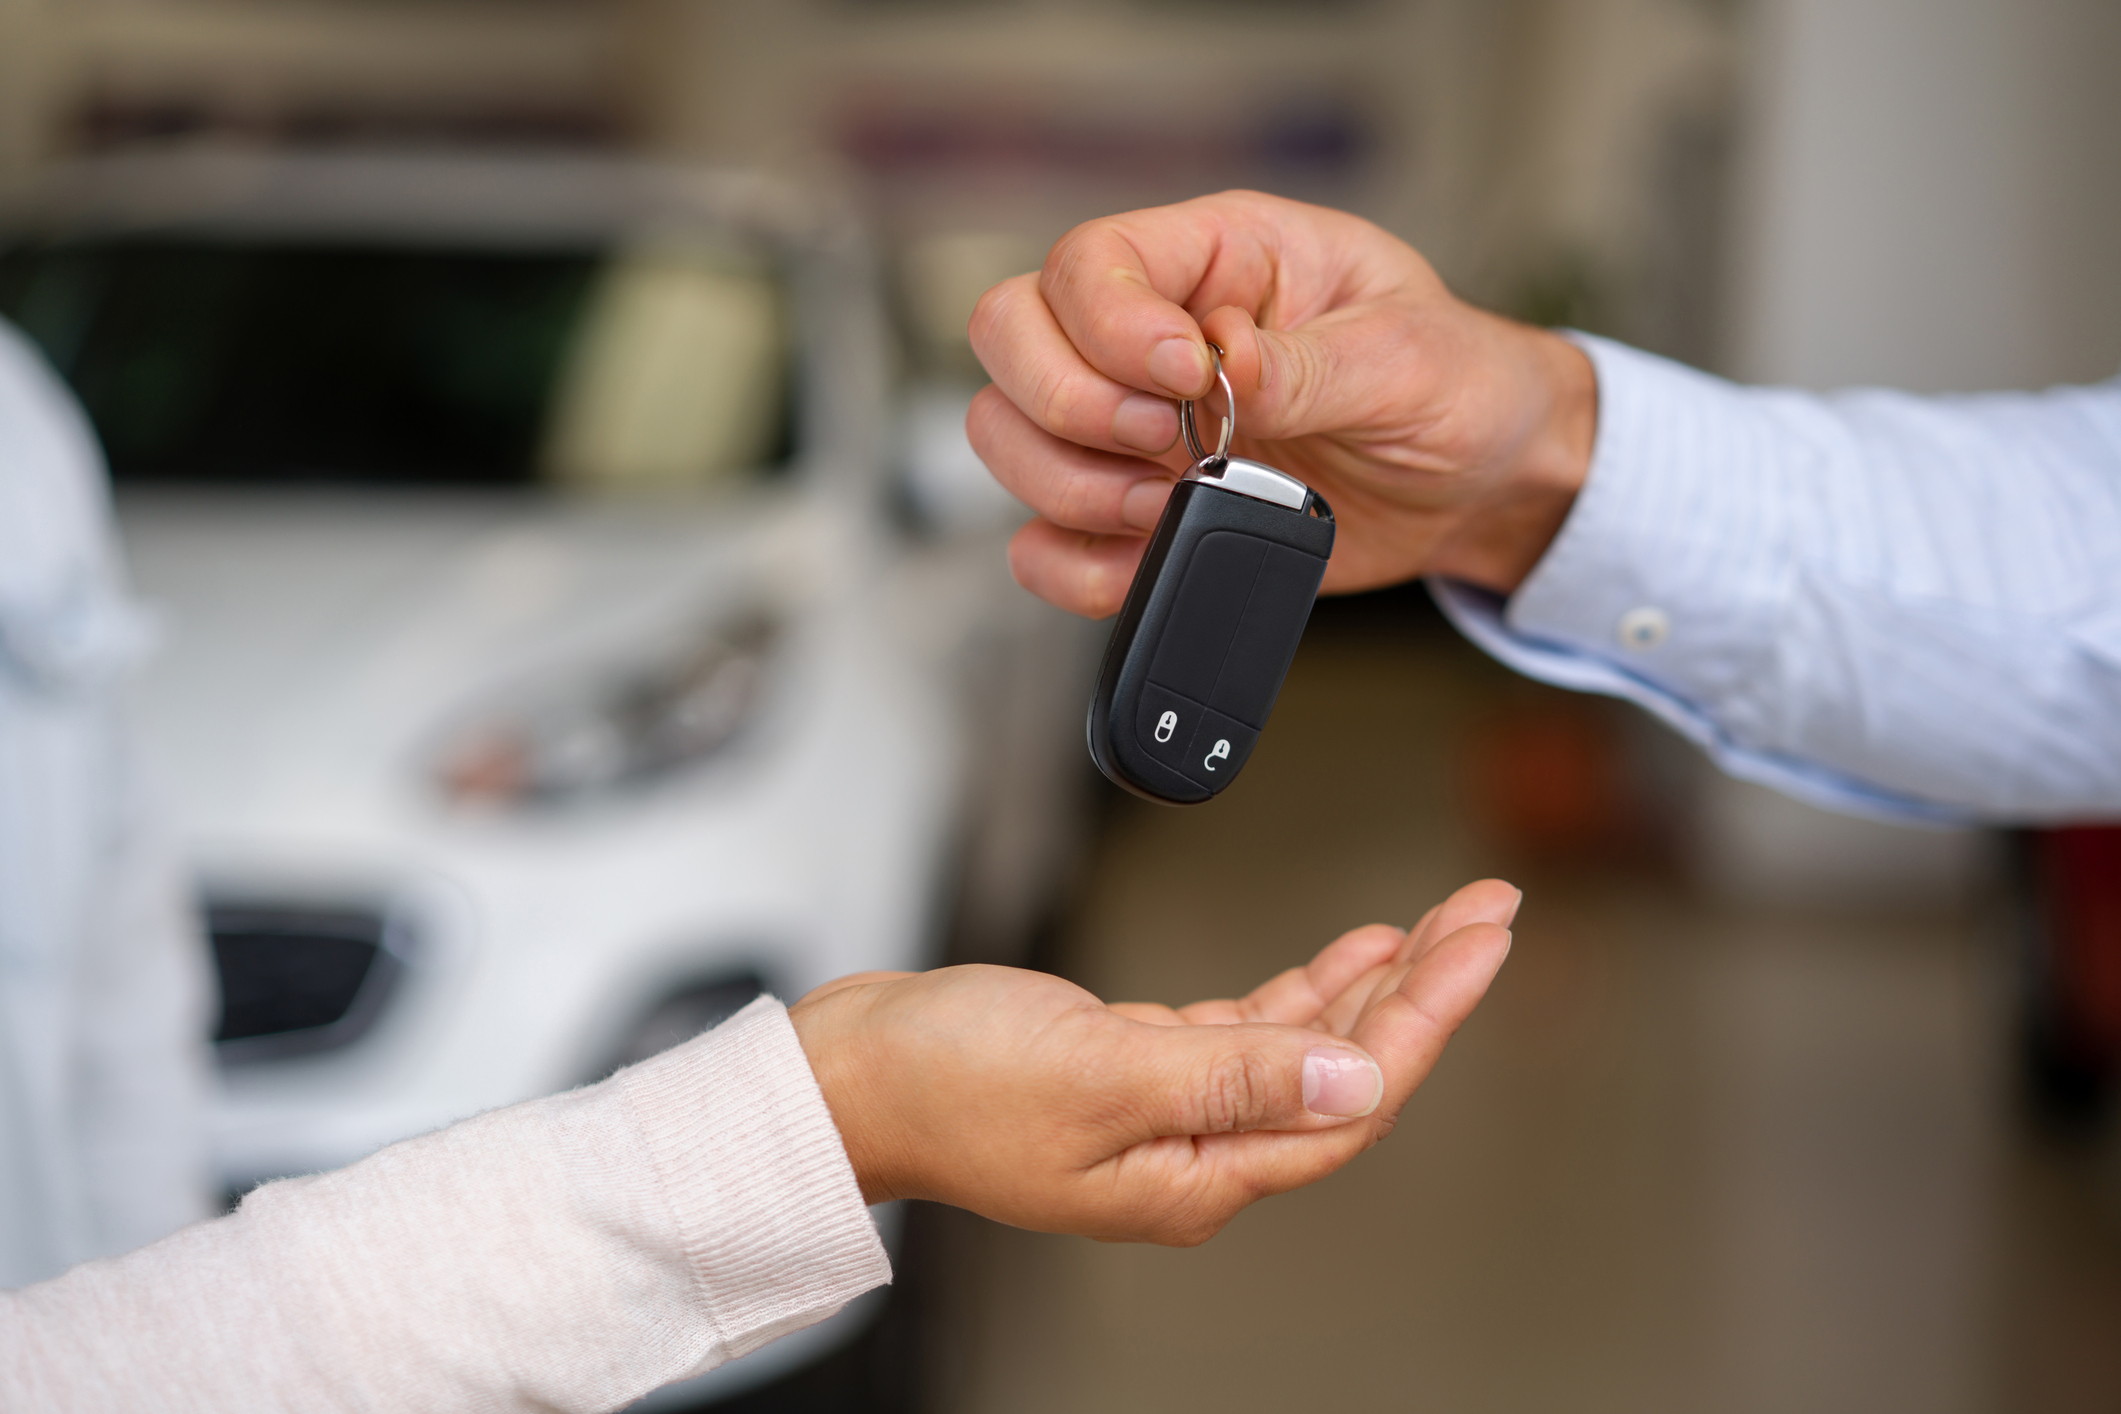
[765, 1202]
[1672, 562]
[1668, 578]
[1479, 615]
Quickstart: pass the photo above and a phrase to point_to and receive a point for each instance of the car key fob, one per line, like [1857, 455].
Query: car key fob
[1210, 624]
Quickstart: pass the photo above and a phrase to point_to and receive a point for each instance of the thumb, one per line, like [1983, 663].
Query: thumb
[1328, 375]
[1181, 1080]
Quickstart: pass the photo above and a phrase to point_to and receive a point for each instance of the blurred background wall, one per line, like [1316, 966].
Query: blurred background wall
[1927, 198]
[1787, 189]
[1547, 155]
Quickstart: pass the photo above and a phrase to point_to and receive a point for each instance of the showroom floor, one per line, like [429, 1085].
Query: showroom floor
[1698, 1151]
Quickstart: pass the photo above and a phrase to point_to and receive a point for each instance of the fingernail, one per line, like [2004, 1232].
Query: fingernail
[1180, 365]
[1145, 423]
[1341, 1084]
[1143, 505]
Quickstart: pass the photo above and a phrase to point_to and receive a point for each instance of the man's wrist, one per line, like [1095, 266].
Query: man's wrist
[1502, 537]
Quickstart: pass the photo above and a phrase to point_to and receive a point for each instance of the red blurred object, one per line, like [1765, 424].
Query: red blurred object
[2077, 873]
[1551, 781]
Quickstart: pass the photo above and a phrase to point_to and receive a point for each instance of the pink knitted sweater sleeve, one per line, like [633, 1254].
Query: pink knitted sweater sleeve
[570, 1253]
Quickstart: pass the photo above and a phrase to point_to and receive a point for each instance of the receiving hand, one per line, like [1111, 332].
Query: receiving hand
[1448, 440]
[1025, 1098]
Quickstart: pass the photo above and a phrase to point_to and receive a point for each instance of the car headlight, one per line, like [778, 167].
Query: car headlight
[623, 729]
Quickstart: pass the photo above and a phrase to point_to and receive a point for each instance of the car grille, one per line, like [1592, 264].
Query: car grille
[299, 980]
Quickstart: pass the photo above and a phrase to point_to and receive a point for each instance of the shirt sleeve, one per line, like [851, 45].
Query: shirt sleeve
[1884, 604]
[104, 982]
[571, 1253]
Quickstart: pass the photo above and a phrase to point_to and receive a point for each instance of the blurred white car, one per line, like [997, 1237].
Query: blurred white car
[549, 669]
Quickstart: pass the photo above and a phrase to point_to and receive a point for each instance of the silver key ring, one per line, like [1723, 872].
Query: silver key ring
[1188, 425]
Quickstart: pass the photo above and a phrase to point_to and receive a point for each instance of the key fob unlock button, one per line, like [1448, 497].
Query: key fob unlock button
[1218, 750]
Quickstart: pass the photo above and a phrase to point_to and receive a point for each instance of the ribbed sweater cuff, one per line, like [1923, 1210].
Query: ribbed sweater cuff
[764, 1199]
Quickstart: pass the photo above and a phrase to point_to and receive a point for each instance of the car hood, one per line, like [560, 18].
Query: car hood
[314, 646]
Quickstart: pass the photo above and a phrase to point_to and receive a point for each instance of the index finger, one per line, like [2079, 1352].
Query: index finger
[1028, 355]
[1131, 292]
[1482, 901]
[1118, 287]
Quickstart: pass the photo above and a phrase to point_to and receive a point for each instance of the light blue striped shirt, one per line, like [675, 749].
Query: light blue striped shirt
[1882, 604]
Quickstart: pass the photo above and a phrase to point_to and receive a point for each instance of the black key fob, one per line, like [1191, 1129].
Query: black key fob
[1210, 625]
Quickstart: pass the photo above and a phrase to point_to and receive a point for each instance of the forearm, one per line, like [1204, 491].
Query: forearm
[570, 1253]
[1884, 602]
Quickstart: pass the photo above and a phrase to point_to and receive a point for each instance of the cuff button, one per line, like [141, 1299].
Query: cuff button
[1644, 628]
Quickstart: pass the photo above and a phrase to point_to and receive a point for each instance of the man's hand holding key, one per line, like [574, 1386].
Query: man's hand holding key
[1447, 439]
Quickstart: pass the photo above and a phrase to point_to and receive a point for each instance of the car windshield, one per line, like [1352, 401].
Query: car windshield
[220, 361]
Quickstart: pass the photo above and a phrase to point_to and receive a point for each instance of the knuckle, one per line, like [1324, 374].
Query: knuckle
[1238, 1093]
[1064, 262]
[979, 329]
[992, 311]
[1082, 499]
[1053, 399]
[979, 421]
[1100, 593]
[1071, 503]
[990, 426]
[1305, 382]
[1081, 266]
